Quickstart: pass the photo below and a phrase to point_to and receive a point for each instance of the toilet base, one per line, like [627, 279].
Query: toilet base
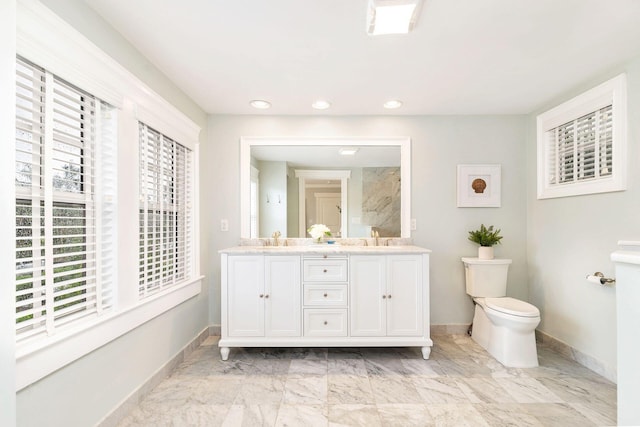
[510, 339]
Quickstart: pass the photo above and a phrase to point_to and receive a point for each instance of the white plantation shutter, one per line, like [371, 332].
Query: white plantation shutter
[582, 143]
[58, 261]
[165, 212]
[581, 149]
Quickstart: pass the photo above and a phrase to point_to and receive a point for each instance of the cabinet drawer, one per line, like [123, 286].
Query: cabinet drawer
[319, 322]
[326, 295]
[325, 270]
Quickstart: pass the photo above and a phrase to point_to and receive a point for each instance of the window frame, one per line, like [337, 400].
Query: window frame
[167, 216]
[45, 39]
[612, 92]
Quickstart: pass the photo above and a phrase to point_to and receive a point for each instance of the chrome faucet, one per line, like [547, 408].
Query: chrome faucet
[276, 234]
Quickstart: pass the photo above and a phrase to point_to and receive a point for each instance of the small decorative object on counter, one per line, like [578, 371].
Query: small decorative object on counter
[486, 238]
[318, 231]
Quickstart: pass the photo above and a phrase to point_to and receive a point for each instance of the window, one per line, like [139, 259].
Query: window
[165, 212]
[76, 165]
[62, 273]
[582, 143]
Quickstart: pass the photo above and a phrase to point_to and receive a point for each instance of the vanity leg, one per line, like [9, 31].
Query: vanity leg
[224, 353]
[426, 352]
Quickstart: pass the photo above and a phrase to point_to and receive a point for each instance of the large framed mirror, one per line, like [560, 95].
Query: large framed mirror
[353, 185]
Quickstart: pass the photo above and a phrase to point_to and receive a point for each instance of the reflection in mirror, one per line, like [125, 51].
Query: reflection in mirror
[323, 199]
[289, 184]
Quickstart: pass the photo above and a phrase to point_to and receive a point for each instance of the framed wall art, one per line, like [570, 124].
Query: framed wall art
[478, 186]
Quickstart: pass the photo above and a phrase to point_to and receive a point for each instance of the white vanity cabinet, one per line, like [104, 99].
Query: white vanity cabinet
[312, 296]
[263, 297]
[387, 295]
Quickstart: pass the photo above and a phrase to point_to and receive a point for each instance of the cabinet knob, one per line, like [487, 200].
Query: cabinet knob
[384, 297]
[324, 271]
[266, 296]
[389, 296]
[261, 295]
[325, 295]
[324, 256]
[326, 323]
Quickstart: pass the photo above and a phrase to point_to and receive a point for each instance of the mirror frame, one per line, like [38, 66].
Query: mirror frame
[404, 143]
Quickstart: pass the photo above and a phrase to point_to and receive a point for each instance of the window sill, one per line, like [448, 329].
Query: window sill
[37, 360]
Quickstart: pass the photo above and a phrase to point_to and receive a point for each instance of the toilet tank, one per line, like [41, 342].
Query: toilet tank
[486, 277]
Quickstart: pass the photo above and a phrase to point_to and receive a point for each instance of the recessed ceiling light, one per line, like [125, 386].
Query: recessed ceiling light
[260, 104]
[392, 104]
[392, 16]
[348, 151]
[321, 104]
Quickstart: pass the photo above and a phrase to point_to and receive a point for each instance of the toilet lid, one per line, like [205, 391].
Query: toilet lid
[512, 306]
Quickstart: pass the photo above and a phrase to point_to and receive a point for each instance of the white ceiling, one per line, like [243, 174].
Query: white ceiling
[463, 57]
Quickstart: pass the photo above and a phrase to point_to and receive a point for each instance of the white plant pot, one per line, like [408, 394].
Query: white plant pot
[485, 252]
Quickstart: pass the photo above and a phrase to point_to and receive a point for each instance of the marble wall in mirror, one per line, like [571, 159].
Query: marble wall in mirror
[289, 184]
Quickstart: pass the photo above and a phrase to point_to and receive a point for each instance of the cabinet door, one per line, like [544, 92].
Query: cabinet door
[245, 296]
[367, 289]
[404, 295]
[282, 299]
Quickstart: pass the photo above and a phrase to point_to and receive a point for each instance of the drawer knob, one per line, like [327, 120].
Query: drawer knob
[324, 256]
[325, 295]
[324, 271]
[326, 323]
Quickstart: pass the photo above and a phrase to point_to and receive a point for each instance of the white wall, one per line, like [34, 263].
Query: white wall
[568, 238]
[273, 198]
[293, 229]
[7, 212]
[439, 143]
[83, 392]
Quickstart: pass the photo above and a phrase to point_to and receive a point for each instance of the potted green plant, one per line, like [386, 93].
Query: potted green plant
[486, 237]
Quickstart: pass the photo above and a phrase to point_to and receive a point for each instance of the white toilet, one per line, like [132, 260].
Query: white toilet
[504, 326]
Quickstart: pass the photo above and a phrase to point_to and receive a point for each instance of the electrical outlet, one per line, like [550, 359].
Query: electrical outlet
[413, 224]
[224, 225]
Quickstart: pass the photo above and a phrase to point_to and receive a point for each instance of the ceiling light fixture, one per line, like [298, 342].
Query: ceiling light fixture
[348, 151]
[393, 104]
[392, 16]
[321, 104]
[260, 104]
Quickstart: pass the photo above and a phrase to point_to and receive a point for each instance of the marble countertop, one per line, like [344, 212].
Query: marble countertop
[326, 249]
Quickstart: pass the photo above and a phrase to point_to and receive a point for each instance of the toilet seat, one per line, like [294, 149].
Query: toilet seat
[512, 306]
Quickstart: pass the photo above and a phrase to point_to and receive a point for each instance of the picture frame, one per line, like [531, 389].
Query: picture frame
[479, 186]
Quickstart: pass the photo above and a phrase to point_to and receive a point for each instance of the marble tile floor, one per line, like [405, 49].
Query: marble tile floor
[461, 385]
